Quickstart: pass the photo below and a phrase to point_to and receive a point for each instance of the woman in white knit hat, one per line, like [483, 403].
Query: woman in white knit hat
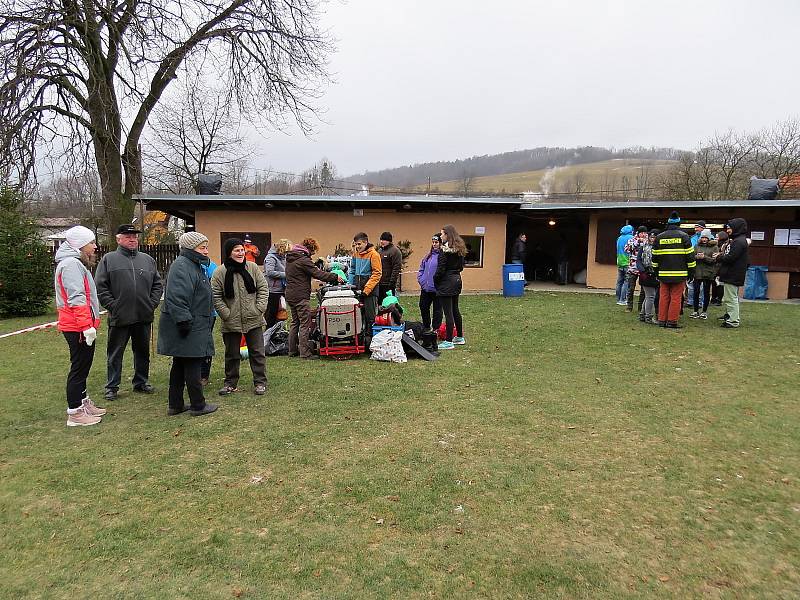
[187, 319]
[78, 320]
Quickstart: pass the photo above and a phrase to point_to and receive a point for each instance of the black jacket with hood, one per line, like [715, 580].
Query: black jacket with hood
[735, 257]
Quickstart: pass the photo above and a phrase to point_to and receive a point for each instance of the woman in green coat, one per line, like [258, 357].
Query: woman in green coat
[184, 330]
[241, 293]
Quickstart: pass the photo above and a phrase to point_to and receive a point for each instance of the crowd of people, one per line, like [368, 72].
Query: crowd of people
[244, 296]
[675, 270]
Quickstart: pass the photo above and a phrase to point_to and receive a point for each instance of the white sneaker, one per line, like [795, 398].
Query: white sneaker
[91, 409]
[81, 418]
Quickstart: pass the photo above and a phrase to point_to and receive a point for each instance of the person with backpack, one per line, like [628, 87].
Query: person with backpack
[623, 260]
[647, 279]
[427, 288]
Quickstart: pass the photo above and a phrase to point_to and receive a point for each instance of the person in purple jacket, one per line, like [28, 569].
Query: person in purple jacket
[427, 289]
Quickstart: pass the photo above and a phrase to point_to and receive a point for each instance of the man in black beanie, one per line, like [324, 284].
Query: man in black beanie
[673, 259]
[392, 265]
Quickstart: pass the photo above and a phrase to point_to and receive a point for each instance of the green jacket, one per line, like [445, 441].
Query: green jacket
[244, 311]
[706, 267]
[187, 299]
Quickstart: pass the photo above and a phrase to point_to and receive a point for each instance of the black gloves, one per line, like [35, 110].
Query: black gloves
[184, 328]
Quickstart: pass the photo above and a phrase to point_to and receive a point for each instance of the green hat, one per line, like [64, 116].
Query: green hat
[389, 300]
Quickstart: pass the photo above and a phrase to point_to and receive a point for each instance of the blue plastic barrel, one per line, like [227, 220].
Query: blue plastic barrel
[513, 280]
[755, 284]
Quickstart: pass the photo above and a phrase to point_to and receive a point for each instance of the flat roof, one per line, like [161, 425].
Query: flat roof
[662, 204]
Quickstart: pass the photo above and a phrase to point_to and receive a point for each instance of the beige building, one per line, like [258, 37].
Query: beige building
[583, 234]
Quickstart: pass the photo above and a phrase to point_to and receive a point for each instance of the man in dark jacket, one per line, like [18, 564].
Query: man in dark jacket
[391, 266]
[519, 252]
[129, 287]
[673, 259]
[733, 261]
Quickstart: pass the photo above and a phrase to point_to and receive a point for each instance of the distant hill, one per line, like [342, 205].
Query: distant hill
[615, 177]
[519, 161]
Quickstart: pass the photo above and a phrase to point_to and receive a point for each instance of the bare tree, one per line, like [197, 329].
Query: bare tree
[777, 149]
[730, 152]
[197, 132]
[466, 182]
[87, 75]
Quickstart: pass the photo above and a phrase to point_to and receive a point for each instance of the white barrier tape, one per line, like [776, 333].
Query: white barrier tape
[37, 327]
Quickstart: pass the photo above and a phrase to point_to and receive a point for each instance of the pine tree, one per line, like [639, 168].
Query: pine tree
[26, 273]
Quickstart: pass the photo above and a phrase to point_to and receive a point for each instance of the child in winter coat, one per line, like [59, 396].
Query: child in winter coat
[647, 279]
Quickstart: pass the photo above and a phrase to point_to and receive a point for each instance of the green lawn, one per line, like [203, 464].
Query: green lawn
[566, 451]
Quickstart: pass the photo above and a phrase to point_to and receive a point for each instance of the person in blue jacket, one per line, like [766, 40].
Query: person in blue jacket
[623, 260]
[427, 288]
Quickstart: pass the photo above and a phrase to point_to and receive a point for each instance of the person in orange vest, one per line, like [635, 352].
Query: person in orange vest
[251, 251]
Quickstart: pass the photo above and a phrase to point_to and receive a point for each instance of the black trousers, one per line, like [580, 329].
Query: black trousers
[273, 304]
[81, 356]
[706, 287]
[118, 336]
[255, 354]
[426, 299]
[185, 372]
[452, 316]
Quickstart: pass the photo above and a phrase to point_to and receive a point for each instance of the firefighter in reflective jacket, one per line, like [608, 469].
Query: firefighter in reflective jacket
[673, 259]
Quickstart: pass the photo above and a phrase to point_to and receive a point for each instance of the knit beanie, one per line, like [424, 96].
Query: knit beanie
[386, 236]
[191, 240]
[641, 229]
[79, 236]
[673, 218]
[706, 233]
[229, 245]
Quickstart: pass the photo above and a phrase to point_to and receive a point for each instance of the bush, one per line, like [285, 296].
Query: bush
[26, 274]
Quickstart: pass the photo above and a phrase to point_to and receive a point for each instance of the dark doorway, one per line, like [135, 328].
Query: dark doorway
[557, 245]
[261, 240]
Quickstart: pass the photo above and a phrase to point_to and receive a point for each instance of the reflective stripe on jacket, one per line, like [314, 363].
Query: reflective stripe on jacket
[673, 255]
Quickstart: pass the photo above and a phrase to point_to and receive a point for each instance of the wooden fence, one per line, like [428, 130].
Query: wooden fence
[163, 254]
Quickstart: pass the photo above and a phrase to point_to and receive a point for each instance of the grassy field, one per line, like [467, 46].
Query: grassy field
[567, 451]
[596, 176]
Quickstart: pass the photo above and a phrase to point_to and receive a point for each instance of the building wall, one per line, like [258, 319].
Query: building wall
[605, 276]
[332, 228]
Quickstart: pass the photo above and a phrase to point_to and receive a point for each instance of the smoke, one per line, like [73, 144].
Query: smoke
[547, 181]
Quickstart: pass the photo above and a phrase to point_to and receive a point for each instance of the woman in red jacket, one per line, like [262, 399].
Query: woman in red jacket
[78, 320]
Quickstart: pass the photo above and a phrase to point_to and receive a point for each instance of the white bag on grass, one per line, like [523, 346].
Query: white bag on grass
[387, 346]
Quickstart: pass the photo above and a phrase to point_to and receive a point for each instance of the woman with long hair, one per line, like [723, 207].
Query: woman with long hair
[448, 285]
[427, 289]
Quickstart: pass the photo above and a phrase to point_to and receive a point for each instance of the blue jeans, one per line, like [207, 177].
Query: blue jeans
[622, 284]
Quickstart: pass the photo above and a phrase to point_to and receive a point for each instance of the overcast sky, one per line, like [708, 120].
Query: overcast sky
[419, 81]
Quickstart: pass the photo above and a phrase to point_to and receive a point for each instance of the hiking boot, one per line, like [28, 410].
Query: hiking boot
[81, 419]
[145, 388]
[445, 345]
[171, 412]
[694, 315]
[206, 410]
[459, 341]
[91, 409]
[724, 317]
[228, 389]
[110, 395]
[661, 323]
[729, 325]
[703, 315]
[261, 390]
[673, 325]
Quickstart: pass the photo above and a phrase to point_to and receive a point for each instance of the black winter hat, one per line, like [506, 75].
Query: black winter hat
[641, 229]
[386, 236]
[230, 244]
